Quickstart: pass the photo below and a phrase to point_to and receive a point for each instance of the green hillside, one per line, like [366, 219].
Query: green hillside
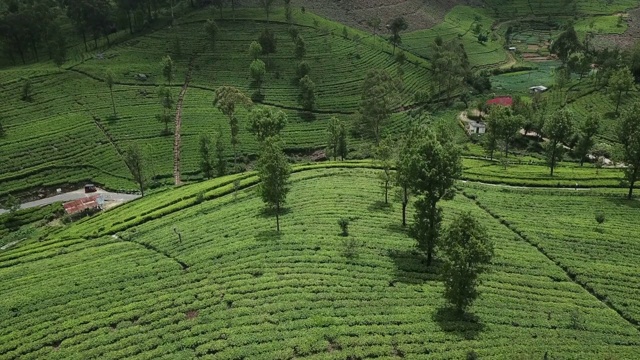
[232, 288]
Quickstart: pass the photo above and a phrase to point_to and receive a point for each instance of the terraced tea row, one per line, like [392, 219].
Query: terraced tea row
[251, 293]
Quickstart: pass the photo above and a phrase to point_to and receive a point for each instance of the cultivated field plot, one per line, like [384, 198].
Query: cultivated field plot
[519, 8]
[605, 258]
[232, 288]
[53, 139]
[536, 174]
[458, 23]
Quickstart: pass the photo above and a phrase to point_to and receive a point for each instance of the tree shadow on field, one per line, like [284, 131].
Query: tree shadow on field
[111, 119]
[306, 115]
[381, 206]
[397, 228]
[623, 201]
[411, 267]
[267, 213]
[465, 325]
[268, 235]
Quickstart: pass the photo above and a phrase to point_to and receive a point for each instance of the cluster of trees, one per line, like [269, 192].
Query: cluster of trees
[617, 70]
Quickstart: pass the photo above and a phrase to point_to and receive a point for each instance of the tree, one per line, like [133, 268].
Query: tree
[266, 5]
[468, 250]
[212, 30]
[110, 81]
[397, 25]
[384, 156]
[343, 146]
[206, 165]
[166, 100]
[255, 50]
[621, 81]
[558, 128]
[287, 11]
[587, 130]
[379, 91]
[307, 93]
[221, 163]
[268, 42]
[167, 68]
[258, 70]
[432, 166]
[303, 69]
[628, 134]
[27, 90]
[334, 129]
[135, 162]
[58, 49]
[450, 68]
[566, 44]
[273, 170]
[301, 48]
[226, 98]
[266, 122]
[374, 23]
[504, 125]
[403, 168]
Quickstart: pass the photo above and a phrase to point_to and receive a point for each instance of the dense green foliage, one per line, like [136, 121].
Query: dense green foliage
[230, 288]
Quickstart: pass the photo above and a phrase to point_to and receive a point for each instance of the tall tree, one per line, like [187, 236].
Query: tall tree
[403, 169]
[110, 81]
[504, 125]
[307, 93]
[468, 250]
[558, 128]
[566, 44]
[397, 25]
[587, 130]
[268, 42]
[450, 68]
[226, 98]
[288, 14]
[334, 128]
[221, 163]
[266, 122]
[273, 170]
[212, 31]
[266, 5]
[374, 23]
[255, 49]
[434, 165]
[620, 82]
[301, 48]
[343, 146]
[206, 165]
[628, 134]
[384, 157]
[379, 92]
[258, 70]
[166, 101]
[134, 160]
[167, 68]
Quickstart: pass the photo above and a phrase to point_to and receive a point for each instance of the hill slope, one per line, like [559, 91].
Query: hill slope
[232, 288]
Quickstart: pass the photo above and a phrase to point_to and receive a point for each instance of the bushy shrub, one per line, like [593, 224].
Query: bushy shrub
[344, 226]
[351, 248]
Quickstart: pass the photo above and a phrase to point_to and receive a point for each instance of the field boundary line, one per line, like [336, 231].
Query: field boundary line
[573, 277]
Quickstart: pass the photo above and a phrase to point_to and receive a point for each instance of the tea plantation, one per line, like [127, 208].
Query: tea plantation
[232, 288]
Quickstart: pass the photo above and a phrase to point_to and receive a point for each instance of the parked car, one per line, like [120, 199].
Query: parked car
[89, 188]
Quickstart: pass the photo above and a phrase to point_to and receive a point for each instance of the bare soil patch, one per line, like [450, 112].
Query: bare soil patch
[192, 314]
[625, 40]
[418, 13]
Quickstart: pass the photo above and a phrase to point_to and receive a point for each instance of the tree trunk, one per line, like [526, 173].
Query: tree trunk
[405, 201]
[84, 40]
[113, 104]
[278, 217]
[129, 21]
[35, 50]
[632, 183]
[108, 42]
[335, 151]
[432, 241]
[553, 157]
[386, 192]
[141, 189]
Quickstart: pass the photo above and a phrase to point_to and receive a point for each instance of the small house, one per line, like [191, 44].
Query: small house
[475, 127]
[538, 89]
[88, 204]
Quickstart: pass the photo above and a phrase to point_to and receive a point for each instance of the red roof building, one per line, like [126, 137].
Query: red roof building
[502, 100]
[76, 206]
